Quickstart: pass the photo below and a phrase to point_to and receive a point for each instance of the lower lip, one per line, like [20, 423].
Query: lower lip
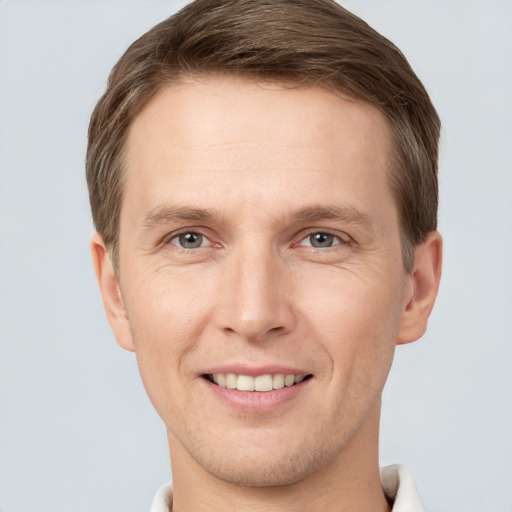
[257, 401]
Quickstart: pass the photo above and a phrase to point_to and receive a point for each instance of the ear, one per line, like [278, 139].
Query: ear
[424, 284]
[111, 293]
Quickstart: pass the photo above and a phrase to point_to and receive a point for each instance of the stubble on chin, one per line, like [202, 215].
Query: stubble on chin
[272, 466]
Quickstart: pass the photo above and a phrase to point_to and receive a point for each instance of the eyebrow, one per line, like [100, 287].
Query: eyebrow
[165, 215]
[343, 213]
[162, 215]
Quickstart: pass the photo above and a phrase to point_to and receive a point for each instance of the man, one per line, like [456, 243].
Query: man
[263, 180]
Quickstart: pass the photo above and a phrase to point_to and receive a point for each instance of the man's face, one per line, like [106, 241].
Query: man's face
[259, 238]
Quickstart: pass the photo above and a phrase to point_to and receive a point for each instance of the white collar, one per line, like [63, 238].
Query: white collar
[399, 488]
[396, 481]
[163, 499]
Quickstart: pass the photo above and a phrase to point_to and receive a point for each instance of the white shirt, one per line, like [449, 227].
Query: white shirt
[396, 480]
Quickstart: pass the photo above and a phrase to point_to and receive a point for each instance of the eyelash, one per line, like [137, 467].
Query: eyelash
[175, 236]
[336, 236]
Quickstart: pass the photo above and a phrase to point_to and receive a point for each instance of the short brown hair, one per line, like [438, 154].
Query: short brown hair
[308, 42]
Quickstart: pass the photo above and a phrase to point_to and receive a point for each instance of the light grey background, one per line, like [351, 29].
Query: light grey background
[76, 430]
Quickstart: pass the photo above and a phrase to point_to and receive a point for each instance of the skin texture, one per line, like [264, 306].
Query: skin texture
[255, 170]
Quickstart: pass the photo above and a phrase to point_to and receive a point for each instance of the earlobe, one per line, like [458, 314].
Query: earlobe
[111, 293]
[425, 280]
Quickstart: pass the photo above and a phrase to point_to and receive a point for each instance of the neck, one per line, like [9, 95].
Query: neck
[350, 482]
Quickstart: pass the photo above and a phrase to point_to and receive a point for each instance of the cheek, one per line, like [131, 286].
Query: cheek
[166, 309]
[356, 321]
[166, 324]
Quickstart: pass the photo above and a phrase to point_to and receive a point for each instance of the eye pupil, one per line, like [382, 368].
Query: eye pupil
[190, 240]
[321, 240]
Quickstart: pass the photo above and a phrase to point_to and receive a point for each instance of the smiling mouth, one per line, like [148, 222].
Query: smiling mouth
[261, 383]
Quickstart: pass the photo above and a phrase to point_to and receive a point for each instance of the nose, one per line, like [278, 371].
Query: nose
[255, 301]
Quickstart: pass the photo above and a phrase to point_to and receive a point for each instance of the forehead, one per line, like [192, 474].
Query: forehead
[251, 141]
[213, 110]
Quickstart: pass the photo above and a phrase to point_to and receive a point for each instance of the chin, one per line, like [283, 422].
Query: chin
[262, 473]
[282, 465]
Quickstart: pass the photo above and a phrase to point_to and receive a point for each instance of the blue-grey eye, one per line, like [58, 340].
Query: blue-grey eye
[189, 240]
[322, 240]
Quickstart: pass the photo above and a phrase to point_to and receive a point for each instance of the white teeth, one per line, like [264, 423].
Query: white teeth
[221, 380]
[261, 383]
[245, 383]
[231, 380]
[289, 380]
[278, 381]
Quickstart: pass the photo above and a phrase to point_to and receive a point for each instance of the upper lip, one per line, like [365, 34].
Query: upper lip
[254, 371]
